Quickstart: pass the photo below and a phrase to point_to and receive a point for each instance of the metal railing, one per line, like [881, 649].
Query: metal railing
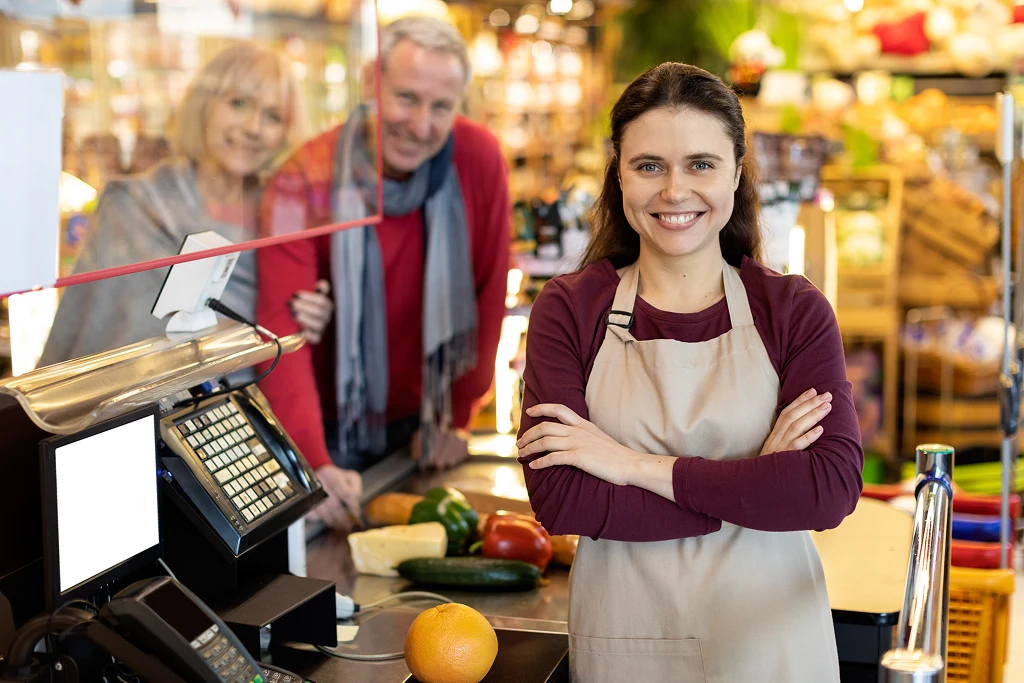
[922, 633]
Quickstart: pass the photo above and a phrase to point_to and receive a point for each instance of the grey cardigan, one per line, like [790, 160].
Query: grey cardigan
[138, 218]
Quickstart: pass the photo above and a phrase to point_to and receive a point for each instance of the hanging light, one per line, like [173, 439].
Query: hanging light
[581, 9]
[559, 6]
[500, 17]
[527, 23]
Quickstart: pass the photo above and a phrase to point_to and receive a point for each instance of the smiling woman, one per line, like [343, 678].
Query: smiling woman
[687, 413]
[241, 111]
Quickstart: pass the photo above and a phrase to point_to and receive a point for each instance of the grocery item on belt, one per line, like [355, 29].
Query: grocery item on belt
[391, 508]
[471, 572]
[379, 551]
[509, 536]
[563, 549]
[453, 511]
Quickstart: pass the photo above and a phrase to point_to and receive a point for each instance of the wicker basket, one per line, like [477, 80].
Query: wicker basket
[979, 609]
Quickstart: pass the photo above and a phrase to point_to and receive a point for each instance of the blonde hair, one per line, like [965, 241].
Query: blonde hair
[237, 69]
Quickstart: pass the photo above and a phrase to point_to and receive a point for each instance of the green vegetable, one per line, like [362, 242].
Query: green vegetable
[470, 572]
[453, 511]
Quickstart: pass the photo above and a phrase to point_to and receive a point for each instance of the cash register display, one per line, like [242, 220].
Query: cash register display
[240, 464]
[100, 504]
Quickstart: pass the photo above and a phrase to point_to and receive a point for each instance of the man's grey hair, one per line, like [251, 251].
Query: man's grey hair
[427, 32]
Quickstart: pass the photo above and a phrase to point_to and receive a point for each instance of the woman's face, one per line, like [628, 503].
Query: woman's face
[678, 175]
[244, 132]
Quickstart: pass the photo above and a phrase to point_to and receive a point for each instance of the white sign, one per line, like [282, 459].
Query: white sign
[45, 9]
[204, 17]
[30, 137]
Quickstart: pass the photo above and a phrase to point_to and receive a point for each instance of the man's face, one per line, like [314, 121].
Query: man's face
[421, 92]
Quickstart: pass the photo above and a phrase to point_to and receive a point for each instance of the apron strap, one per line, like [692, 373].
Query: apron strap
[620, 317]
[736, 297]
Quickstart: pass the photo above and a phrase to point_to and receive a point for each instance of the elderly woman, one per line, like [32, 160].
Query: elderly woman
[241, 113]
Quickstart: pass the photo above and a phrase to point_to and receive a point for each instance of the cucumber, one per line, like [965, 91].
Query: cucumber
[471, 572]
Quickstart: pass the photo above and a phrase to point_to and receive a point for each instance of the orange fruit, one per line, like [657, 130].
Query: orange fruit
[450, 643]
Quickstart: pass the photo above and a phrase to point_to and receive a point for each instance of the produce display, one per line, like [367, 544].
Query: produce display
[450, 643]
[972, 37]
[390, 509]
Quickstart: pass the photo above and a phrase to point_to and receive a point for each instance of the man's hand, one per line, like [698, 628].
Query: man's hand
[447, 450]
[341, 508]
[313, 311]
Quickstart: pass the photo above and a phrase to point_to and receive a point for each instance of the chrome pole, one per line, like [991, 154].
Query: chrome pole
[1009, 378]
[922, 634]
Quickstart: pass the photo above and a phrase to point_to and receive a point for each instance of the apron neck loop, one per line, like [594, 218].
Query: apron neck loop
[620, 317]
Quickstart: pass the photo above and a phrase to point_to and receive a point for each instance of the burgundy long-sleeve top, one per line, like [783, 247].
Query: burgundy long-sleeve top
[302, 387]
[791, 490]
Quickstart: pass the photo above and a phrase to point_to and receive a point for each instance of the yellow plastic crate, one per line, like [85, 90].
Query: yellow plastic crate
[979, 609]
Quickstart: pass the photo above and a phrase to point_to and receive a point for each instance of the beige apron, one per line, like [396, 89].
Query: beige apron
[735, 606]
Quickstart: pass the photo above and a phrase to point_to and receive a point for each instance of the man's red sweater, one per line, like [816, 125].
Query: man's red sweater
[301, 389]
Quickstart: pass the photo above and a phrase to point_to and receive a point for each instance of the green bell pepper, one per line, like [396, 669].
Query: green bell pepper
[453, 511]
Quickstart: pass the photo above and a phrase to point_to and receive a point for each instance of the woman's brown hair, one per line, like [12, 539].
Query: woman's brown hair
[683, 86]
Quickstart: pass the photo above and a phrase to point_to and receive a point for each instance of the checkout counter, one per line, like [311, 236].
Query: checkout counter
[242, 571]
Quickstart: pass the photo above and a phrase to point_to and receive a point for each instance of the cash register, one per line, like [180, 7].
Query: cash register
[145, 509]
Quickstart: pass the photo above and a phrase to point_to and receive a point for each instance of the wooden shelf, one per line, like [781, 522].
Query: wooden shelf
[868, 322]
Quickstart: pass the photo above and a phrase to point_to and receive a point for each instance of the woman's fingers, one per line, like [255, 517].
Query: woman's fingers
[798, 401]
[799, 408]
[557, 411]
[553, 459]
[547, 444]
[807, 421]
[542, 430]
[795, 413]
[802, 442]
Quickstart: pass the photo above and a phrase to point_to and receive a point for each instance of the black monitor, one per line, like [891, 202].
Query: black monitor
[100, 506]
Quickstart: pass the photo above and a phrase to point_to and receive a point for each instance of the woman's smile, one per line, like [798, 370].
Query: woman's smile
[678, 221]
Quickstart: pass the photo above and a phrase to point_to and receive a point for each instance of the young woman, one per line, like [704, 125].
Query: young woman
[653, 381]
[241, 112]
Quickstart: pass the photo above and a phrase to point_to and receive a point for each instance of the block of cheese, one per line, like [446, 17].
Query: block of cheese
[378, 551]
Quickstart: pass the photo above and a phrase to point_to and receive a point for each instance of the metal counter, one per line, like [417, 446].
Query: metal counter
[864, 562]
[542, 611]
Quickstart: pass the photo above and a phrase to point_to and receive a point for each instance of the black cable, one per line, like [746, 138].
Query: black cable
[20, 651]
[49, 622]
[224, 310]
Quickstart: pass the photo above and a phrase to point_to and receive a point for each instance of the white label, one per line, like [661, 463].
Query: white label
[30, 137]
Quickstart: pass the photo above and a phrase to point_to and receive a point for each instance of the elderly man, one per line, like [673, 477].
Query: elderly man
[419, 297]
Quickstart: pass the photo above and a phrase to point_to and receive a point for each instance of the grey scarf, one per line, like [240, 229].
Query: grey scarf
[449, 306]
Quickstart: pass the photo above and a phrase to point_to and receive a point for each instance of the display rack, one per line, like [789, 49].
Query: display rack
[867, 305]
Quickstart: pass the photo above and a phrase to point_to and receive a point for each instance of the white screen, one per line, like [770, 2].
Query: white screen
[106, 500]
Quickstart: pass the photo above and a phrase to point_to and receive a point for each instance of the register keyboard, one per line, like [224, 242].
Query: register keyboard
[250, 477]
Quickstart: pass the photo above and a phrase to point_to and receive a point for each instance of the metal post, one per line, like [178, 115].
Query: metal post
[1009, 378]
[922, 634]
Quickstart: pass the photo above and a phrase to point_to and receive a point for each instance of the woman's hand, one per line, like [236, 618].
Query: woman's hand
[575, 442]
[795, 429]
[313, 311]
